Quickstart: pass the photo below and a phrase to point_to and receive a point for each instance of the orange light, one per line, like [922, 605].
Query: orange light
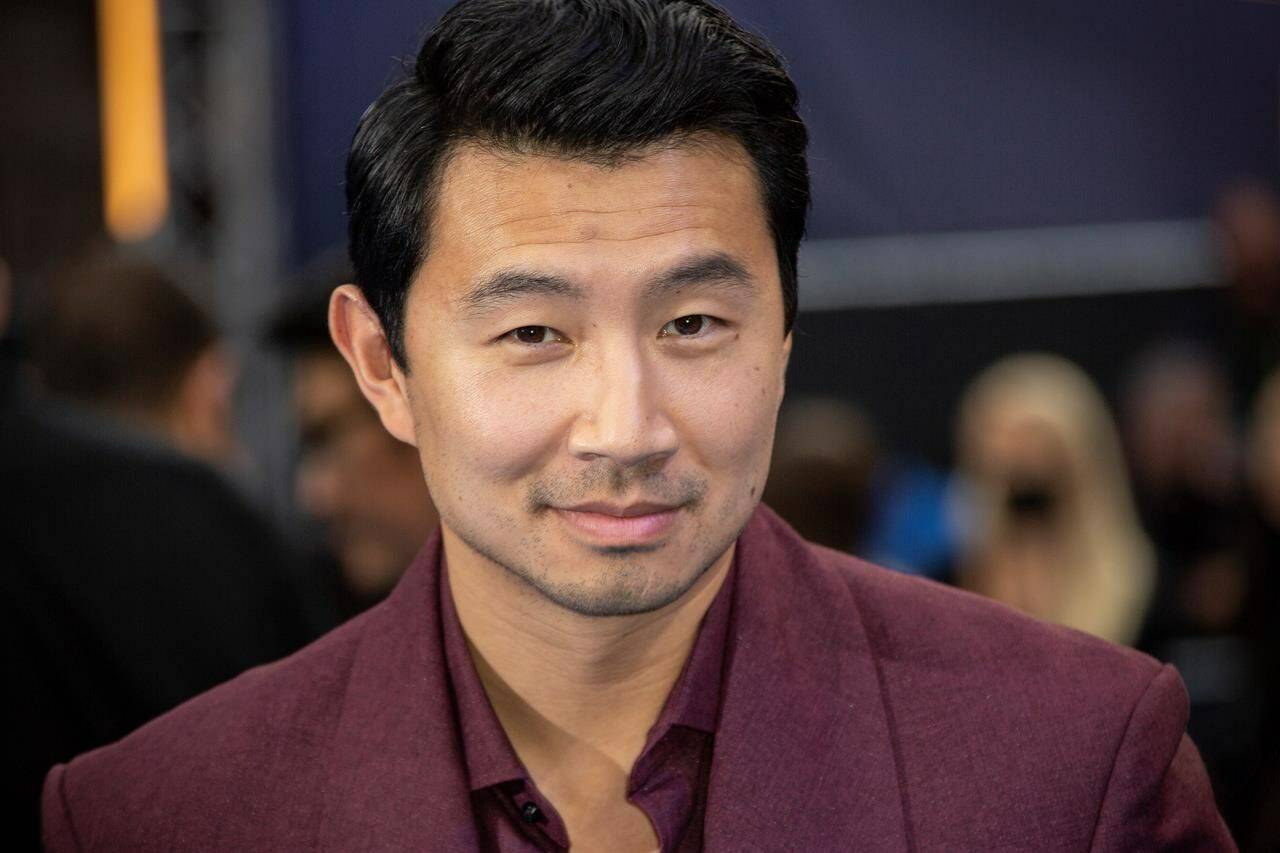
[135, 168]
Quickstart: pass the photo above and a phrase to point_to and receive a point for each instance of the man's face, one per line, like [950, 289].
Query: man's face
[353, 476]
[595, 364]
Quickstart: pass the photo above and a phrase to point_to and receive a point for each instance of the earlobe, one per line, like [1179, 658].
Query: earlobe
[358, 335]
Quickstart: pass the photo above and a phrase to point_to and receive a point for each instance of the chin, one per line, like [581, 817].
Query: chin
[625, 589]
[624, 580]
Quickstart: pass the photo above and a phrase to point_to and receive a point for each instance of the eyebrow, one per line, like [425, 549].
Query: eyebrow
[716, 270]
[507, 285]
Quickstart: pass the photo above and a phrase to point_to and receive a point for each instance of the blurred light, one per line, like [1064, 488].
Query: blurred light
[135, 170]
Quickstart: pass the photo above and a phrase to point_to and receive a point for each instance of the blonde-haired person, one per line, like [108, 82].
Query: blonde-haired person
[1048, 520]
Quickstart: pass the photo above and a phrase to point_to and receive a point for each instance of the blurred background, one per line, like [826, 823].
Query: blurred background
[1036, 355]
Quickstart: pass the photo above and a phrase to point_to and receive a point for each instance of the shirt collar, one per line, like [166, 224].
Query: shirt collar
[694, 701]
[490, 758]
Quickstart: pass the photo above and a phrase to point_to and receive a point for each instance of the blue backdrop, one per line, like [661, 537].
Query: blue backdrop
[925, 115]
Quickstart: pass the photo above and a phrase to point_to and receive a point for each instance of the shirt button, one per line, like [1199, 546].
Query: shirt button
[530, 813]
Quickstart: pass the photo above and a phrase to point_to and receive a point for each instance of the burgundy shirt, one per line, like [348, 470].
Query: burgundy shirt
[668, 781]
[857, 709]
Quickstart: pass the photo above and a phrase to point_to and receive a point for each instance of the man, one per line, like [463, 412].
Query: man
[362, 484]
[575, 230]
[123, 339]
[134, 577]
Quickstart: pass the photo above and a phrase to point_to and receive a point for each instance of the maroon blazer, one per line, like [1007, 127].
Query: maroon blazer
[861, 709]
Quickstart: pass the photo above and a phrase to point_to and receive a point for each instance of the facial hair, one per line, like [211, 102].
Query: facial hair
[626, 581]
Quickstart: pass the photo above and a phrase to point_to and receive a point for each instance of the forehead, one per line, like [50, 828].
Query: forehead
[494, 209]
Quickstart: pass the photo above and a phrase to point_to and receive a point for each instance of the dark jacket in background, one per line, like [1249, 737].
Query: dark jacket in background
[133, 579]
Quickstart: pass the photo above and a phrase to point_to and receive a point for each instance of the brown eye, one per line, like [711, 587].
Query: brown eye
[535, 335]
[690, 325]
[685, 326]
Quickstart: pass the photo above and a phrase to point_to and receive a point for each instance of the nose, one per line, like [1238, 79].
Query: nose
[623, 417]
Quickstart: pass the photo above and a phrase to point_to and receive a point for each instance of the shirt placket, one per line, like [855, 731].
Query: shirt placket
[539, 819]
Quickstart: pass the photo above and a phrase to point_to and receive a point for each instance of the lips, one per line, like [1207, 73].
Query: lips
[621, 511]
[618, 525]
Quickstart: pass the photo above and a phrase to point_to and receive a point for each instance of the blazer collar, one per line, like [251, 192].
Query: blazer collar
[804, 754]
[395, 766]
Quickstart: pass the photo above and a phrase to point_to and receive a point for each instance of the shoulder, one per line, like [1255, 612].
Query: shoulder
[992, 710]
[940, 650]
[254, 746]
[57, 454]
[925, 625]
[928, 624]
[928, 636]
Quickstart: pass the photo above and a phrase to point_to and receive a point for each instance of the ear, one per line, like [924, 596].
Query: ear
[358, 335]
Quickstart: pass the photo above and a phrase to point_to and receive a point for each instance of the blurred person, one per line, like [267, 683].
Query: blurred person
[911, 527]
[1262, 613]
[820, 479]
[362, 483]
[1185, 457]
[575, 226]
[1247, 224]
[1051, 528]
[134, 577]
[831, 480]
[1248, 220]
[1181, 442]
[121, 336]
[1262, 468]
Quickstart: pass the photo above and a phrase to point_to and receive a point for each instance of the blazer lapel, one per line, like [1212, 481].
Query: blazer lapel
[397, 777]
[803, 753]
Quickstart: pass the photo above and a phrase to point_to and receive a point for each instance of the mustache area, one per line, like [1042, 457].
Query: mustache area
[619, 485]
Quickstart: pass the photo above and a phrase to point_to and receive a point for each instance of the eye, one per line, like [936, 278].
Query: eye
[536, 335]
[691, 325]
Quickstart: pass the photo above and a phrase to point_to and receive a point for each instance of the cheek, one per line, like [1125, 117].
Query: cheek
[490, 425]
[727, 416]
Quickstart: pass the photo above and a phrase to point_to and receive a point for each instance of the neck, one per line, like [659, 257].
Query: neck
[567, 686]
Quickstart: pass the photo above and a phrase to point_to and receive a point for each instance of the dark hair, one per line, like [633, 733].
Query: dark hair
[597, 80]
[120, 332]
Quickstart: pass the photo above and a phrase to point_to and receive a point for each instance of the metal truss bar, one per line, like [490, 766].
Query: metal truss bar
[1030, 263]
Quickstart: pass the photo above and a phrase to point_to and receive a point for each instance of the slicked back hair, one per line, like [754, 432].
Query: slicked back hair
[596, 80]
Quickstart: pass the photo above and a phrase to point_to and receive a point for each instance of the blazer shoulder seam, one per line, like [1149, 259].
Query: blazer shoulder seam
[1124, 738]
